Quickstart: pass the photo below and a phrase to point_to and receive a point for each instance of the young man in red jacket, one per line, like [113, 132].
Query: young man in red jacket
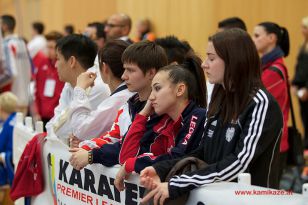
[48, 87]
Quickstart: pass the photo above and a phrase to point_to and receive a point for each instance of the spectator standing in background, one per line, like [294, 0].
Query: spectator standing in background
[5, 74]
[300, 81]
[272, 42]
[38, 42]
[232, 22]
[144, 31]
[17, 62]
[68, 30]
[95, 31]
[118, 26]
[48, 87]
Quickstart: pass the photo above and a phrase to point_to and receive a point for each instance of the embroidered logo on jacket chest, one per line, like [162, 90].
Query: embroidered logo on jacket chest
[230, 133]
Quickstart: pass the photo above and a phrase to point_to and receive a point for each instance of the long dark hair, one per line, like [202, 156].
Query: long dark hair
[242, 76]
[192, 75]
[281, 33]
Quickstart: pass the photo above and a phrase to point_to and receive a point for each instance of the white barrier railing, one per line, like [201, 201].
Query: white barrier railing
[94, 184]
[23, 132]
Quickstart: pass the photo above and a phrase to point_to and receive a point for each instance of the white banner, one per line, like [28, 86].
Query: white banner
[93, 185]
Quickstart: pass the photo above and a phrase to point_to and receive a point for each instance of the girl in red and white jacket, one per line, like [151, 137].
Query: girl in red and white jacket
[178, 93]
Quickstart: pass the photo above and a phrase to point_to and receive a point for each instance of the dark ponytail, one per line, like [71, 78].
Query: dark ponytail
[285, 41]
[111, 54]
[282, 34]
[193, 64]
[190, 73]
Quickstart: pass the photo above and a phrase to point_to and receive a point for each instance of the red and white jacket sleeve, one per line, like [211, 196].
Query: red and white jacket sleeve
[112, 136]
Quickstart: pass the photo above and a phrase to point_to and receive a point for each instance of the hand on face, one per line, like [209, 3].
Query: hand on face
[85, 80]
[79, 158]
[147, 110]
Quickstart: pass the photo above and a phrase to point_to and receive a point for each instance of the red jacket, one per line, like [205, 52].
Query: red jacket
[277, 86]
[39, 60]
[46, 104]
[29, 176]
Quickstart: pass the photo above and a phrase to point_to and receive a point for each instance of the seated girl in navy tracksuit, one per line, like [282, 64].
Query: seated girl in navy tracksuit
[178, 93]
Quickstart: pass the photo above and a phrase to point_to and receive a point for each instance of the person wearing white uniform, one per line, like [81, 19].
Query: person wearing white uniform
[86, 122]
[5, 76]
[38, 42]
[17, 62]
[75, 54]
